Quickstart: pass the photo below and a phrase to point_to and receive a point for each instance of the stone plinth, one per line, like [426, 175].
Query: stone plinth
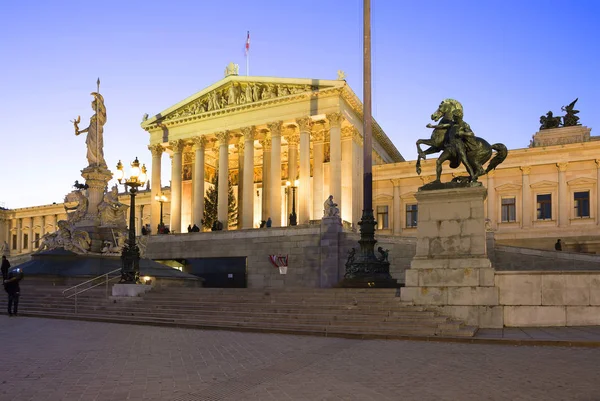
[450, 270]
[130, 290]
[561, 136]
[331, 227]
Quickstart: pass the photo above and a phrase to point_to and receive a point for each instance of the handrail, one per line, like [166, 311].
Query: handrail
[89, 281]
[91, 286]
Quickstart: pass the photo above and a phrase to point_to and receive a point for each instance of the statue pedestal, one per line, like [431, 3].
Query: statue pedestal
[451, 271]
[561, 136]
[97, 178]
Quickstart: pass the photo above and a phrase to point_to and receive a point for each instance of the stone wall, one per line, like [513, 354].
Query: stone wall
[549, 299]
[509, 258]
[300, 243]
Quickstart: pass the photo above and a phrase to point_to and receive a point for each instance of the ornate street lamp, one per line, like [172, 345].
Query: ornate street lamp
[293, 217]
[161, 199]
[130, 257]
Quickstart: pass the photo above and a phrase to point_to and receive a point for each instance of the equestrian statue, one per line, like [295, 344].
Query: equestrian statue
[454, 138]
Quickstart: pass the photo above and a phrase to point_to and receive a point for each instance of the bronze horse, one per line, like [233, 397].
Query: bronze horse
[454, 138]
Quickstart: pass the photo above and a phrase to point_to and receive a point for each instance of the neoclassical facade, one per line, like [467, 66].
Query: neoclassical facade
[258, 133]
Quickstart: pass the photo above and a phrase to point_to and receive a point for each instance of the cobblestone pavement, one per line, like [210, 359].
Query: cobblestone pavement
[47, 359]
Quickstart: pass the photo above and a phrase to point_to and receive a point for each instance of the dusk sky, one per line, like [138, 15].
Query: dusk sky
[507, 61]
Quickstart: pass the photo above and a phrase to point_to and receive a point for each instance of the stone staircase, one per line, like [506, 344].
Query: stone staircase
[355, 313]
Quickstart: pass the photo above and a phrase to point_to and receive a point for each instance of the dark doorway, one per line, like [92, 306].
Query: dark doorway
[219, 272]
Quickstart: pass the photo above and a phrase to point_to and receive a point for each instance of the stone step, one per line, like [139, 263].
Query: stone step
[417, 330]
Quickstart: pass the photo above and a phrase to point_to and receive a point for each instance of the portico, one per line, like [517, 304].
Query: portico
[256, 133]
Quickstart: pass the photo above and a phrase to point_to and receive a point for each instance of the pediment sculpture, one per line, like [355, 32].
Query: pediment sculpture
[112, 212]
[238, 93]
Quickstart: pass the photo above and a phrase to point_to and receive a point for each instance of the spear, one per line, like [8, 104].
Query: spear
[97, 116]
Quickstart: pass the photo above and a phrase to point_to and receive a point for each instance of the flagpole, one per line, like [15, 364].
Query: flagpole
[247, 57]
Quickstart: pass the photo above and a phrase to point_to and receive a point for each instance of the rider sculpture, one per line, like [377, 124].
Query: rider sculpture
[454, 138]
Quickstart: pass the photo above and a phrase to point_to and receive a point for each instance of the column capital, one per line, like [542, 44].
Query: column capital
[156, 149]
[597, 161]
[240, 145]
[335, 119]
[525, 170]
[318, 136]
[304, 124]
[293, 139]
[562, 167]
[249, 133]
[266, 142]
[275, 128]
[396, 182]
[347, 132]
[356, 136]
[491, 174]
[199, 142]
[177, 145]
[222, 137]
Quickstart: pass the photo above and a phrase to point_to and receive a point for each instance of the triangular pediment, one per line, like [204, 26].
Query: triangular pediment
[239, 91]
[508, 188]
[582, 181]
[544, 185]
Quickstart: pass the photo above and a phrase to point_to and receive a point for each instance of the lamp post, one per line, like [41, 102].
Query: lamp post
[364, 268]
[130, 257]
[161, 199]
[293, 217]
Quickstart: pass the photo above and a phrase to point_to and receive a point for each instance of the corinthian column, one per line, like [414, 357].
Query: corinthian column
[318, 156]
[266, 146]
[176, 165]
[248, 178]
[304, 125]
[563, 195]
[198, 181]
[292, 166]
[275, 176]
[155, 185]
[223, 195]
[335, 149]
[526, 195]
[239, 146]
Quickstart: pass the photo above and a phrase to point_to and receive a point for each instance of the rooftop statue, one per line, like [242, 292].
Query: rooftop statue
[232, 69]
[570, 119]
[458, 144]
[94, 141]
[549, 121]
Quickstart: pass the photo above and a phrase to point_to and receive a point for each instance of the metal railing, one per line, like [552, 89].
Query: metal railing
[103, 279]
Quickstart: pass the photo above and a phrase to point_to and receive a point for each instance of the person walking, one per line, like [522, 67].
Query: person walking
[11, 286]
[4, 267]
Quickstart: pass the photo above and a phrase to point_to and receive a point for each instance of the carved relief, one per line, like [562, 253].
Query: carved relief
[238, 93]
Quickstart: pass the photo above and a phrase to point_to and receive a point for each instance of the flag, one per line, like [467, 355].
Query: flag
[248, 43]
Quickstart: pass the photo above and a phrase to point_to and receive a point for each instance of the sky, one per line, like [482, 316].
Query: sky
[508, 62]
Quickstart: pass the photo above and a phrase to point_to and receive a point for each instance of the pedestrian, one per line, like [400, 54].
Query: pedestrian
[144, 231]
[269, 222]
[11, 286]
[558, 245]
[4, 267]
[189, 228]
[195, 228]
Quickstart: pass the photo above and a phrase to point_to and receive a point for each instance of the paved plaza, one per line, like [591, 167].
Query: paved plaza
[47, 359]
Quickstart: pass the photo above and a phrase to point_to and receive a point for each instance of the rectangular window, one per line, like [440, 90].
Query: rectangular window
[412, 213]
[544, 207]
[509, 210]
[582, 204]
[37, 240]
[382, 218]
[14, 241]
[25, 241]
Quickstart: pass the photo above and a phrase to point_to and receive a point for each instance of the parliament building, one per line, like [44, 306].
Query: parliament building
[284, 144]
